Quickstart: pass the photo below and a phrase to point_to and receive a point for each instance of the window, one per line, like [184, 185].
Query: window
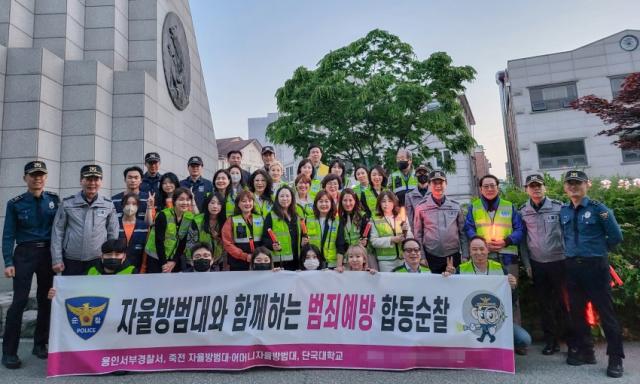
[442, 157]
[288, 173]
[562, 154]
[630, 155]
[552, 97]
[616, 84]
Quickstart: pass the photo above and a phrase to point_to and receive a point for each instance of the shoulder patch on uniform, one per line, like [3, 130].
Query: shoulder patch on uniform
[604, 215]
[16, 199]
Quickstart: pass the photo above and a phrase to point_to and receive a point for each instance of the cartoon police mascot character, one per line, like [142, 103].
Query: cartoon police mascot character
[488, 311]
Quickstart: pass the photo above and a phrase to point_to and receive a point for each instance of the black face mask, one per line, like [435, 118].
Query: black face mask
[402, 165]
[423, 179]
[111, 264]
[262, 267]
[201, 265]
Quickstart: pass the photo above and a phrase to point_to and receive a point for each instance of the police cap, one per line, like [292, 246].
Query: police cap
[151, 157]
[576, 175]
[91, 170]
[535, 178]
[35, 167]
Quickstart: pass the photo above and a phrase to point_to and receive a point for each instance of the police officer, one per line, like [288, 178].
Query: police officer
[589, 230]
[439, 226]
[151, 178]
[403, 180]
[82, 224]
[414, 197]
[542, 252]
[28, 222]
[199, 186]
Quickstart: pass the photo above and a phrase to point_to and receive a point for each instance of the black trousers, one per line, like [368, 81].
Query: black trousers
[588, 279]
[438, 264]
[27, 260]
[549, 282]
[77, 267]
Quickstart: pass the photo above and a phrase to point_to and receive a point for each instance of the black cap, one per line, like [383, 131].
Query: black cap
[114, 245]
[151, 157]
[91, 170]
[535, 178]
[422, 167]
[268, 148]
[195, 160]
[34, 167]
[437, 175]
[576, 175]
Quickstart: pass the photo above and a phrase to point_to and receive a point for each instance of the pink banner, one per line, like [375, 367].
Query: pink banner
[345, 356]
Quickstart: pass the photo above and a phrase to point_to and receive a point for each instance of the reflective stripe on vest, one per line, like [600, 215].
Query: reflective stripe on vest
[499, 228]
[494, 268]
[239, 223]
[399, 183]
[128, 270]
[172, 235]
[385, 230]
[281, 230]
[203, 237]
[328, 249]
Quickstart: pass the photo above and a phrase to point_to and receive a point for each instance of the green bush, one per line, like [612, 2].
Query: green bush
[625, 259]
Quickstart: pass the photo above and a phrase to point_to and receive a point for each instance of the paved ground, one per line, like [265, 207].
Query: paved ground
[534, 368]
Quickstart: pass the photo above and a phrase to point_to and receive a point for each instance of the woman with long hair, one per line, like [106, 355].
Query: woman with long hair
[352, 224]
[222, 186]
[377, 184]
[282, 231]
[304, 202]
[261, 186]
[388, 231]
[206, 229]
[338, 168]
[242, 233]
[322, 227]
[168, 237]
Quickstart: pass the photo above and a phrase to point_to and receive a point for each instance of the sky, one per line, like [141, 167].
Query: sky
[249, 48]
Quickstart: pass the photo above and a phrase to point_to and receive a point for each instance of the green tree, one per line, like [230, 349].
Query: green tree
[365, 100]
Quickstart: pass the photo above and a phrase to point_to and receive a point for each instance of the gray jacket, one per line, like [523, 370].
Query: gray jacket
[79, 229]
[411, 201]
[543, 242]
[440, 229]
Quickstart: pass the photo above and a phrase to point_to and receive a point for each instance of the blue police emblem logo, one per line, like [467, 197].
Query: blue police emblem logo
[86, 314]
[484, 315]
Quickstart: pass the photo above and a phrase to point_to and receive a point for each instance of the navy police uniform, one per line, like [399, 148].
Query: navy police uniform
[151, 183]
[589, 231]
[200, 187]
[28, 223]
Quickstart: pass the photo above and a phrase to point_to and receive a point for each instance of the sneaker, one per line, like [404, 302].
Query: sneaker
[11, 361]
[40, 351]
[614, 369]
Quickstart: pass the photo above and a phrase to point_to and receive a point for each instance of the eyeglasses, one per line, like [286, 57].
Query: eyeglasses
[412, 250]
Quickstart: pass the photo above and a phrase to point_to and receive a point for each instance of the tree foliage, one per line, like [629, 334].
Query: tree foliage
[365, 100]
[623, 112]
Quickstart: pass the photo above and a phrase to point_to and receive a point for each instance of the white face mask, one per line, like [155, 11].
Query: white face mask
[235, 178]
[130, 209]
[311, 264]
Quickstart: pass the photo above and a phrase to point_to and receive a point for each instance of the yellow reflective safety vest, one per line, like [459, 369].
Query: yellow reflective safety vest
[281, 230]
[262, 207]
[494, 268]
[499, 227]
[172, 235]
[242, 234]
[304, 210]
[128, 270]
[324, 240]
[385, 229]
[200, 235]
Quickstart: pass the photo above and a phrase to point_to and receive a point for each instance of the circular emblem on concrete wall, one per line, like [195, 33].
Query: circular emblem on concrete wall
[175, 60]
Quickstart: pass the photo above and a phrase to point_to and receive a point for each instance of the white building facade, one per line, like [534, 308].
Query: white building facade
[543, 133]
